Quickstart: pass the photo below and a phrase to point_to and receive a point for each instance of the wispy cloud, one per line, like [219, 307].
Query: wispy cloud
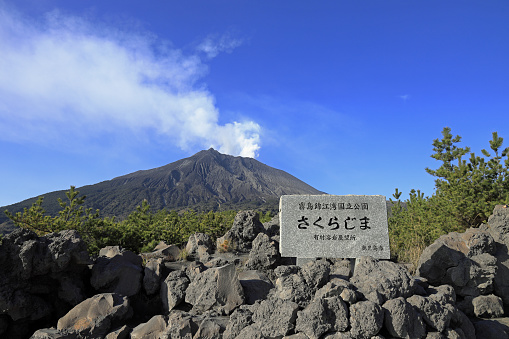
[404, 97]
[215, 44]
[65, 75]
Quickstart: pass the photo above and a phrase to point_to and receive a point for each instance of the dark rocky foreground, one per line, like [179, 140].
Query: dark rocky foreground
[240, 287]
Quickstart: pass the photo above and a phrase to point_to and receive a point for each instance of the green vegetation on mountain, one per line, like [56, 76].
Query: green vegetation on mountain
[466, 191]
[141, 231]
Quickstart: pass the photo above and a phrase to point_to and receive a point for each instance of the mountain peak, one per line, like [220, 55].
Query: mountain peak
[207, 180]
[209, 151]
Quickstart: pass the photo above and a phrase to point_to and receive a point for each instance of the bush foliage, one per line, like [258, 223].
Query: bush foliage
[140, 232]
[466, 191]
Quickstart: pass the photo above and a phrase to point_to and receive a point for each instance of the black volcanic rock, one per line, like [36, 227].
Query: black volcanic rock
[205, 181]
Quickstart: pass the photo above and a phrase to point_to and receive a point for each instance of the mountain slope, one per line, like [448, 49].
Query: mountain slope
[207, 180]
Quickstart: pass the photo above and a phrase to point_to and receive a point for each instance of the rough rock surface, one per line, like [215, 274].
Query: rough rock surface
[152, 275]
[208, 329]
[199, 245]
[275, 317]
[256, 285]
[241, 318]
[366, 319]
[464, 261]
[246, 227]
[264, 253]
[173, 289]
[299, 284]
[163, 251]
[117, 271]
[119, 333]
[498, 227]
[272, 227]
[179, 327]
[323, 315]
[154, 328]
[41, 278]
[488, 306]
[402, 320]
[95, 316]
[216, 287]
[435, 314]
[380, 281]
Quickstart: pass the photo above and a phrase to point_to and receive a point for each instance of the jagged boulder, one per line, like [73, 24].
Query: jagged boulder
[216, 288]
[338, 287]
[94, 317]
[299, 284]
[462, 260]
[498, 227]
[41, 278]
[208, 329]
[163, 251]
[119, 333]
[498, 224]
[173, 289]
[246, 227]
[152, 275]
[274, 317]
[179, 326]
[152, 329]
[323, 315]
[436, 260]
[436, 315]
[316, 273]
[488, 306]
[241, 318]
[366, 319]
[256, 285]
[478, 241]
[117, 271]
[272, 227]
[380, 280]
[342, 268]
[402, 320]
[199, 245]
[264, 253]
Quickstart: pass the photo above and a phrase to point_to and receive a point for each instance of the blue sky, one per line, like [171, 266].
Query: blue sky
[345, 95]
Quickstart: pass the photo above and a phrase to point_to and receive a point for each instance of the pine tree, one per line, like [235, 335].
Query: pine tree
[466, 191]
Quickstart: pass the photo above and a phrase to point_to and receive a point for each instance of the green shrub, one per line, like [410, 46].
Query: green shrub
[71, 216]
[265, 217]
[141, 231]
[465, 194]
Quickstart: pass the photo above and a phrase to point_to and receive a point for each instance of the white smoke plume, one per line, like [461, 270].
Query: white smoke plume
[66, 76]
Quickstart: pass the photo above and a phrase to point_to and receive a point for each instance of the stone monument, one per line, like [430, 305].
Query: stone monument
[334, 226]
